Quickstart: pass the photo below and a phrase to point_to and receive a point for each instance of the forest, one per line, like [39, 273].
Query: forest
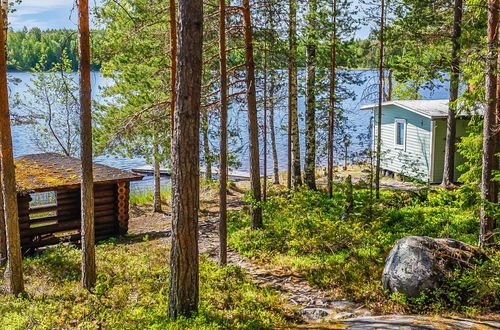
[271, 205]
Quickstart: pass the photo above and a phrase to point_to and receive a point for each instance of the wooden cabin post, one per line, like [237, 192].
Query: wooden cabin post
[123, 206]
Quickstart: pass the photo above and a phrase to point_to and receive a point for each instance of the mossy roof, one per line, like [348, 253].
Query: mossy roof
[50, 171]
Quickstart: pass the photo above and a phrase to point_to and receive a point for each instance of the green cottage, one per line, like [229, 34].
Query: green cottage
[414, 137]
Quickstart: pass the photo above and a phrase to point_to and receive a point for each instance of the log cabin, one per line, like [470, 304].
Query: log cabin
[48, 193]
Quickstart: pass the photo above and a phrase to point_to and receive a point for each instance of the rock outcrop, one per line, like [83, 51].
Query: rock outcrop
[417, 263]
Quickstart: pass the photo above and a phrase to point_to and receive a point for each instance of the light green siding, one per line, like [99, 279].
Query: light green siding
[439, 146]
[415, 159]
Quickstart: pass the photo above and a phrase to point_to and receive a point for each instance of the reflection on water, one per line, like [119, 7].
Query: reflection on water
[357, 126]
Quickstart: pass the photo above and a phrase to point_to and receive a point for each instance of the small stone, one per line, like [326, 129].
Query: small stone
[315, 313]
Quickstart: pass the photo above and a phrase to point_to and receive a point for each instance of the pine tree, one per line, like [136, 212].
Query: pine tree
[487, 221]
[223, 169]
[310, 158]
[184, 263]
[14, 271]
[294, 170]
[451, 129]
[253, 127]
[87, 182]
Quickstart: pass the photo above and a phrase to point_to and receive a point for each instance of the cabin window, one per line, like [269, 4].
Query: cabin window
[400, 133]
[43, 209]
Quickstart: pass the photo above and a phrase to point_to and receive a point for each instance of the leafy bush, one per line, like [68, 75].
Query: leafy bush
[304, 233]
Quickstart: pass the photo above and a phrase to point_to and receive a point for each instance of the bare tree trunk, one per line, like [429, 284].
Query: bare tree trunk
[390, 87]
[184, 264]
[157, 174]
[496, 160]
[264, 187]
[331, 117]
[87, 183]
[272, 95]
[253, 126]
[380, 101]
[5, 15]
[223, 136]
[310, 161]
[487, 221]
[206, 146]
[451, 127]
[293, 123]
[173, 60]
[3, 238]
[14, 271]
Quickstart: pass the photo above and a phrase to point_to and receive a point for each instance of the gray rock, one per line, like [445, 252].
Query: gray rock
[417, 263]
[313, 313]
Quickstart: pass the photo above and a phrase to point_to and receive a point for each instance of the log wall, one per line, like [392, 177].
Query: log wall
[61, 222]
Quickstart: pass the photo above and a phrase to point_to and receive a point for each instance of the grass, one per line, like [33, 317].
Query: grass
[304, 234]
[146, 197]
[132, 293]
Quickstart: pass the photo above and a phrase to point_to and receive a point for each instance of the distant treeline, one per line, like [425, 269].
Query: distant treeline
[26, 48]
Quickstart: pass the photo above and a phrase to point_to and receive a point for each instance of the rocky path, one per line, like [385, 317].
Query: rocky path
[317, 308]
[313, 305]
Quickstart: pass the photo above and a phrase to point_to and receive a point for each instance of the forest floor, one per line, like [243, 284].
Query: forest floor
[314, 308]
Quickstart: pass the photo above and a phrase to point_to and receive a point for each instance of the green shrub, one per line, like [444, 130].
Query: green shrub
[304, 232]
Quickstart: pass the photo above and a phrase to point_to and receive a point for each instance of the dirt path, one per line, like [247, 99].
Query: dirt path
[317, 308]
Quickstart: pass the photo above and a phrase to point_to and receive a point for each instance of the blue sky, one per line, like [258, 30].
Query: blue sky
[55, 14]
[45, 14]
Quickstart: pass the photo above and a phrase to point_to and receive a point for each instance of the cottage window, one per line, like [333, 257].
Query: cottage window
[43, 209]
[400, 133]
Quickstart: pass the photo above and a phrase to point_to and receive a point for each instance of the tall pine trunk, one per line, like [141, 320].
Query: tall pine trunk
[157, 184]
[14, 271]
[253, 126]
[264, 128]
[451, 127]
[184, 264]
[87, 182]
[3, 237]
[206, 146]
[487, 221]
[378, 153]
[173, 60]
[331, 115]
[223, 136]
[272, 129]
[293, 114]
[310, 158]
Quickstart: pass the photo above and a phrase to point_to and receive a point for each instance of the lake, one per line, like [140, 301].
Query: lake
[355, 123]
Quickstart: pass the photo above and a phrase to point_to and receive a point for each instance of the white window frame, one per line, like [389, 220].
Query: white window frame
[405, 125]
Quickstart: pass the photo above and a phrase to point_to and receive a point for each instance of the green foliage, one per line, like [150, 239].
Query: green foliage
[132, 292]
[133, 119]
[51, 109]
[304, 233]
[27, 48]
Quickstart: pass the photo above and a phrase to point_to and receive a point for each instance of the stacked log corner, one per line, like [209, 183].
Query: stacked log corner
[111, 216]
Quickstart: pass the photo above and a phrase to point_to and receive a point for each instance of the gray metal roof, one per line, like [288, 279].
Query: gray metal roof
[434, 109]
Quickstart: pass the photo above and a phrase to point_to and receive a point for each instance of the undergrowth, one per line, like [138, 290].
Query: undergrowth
[304, 233]
[132, 293]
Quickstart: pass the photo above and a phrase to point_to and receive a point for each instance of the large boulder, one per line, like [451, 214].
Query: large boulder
[417, 263]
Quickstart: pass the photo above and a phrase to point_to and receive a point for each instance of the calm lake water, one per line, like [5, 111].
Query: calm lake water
[355, 123]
